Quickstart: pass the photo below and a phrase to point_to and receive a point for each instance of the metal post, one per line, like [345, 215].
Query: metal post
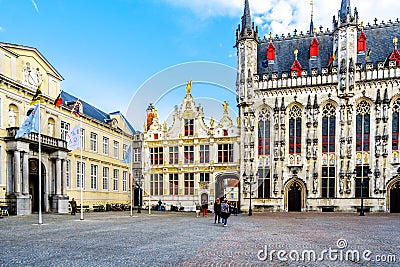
[251, 192]
[362, 197]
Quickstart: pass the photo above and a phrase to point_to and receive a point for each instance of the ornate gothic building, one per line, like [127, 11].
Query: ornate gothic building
[319, 115]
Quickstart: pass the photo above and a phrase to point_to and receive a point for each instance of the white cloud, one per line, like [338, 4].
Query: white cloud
[283, 16]
[35, 5]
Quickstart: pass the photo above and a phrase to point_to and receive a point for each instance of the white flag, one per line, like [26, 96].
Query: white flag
[74, 138]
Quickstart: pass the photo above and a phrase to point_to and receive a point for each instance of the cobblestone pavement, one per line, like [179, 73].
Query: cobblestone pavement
[181, 239]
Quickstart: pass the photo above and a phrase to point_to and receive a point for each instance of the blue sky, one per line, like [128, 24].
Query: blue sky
[106, 50]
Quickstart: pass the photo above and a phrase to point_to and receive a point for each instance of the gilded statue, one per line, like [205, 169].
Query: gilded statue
[225, 107]
[188, 87]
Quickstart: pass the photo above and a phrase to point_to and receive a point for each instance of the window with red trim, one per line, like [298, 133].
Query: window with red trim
[156, 155]
[189, 127]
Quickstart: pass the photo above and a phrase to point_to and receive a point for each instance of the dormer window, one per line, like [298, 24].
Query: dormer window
[271, 52]
[189, 127]
[362, 43]
[314, 48]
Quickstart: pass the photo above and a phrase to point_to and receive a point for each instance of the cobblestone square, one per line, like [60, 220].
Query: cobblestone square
[181, 239]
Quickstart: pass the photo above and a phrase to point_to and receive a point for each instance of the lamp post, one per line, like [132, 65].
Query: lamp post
[139, 194]
[247, 181]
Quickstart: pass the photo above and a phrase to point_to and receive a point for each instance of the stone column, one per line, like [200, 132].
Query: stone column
[58, 176]
[17, 172]
[64, 178]
[25, 174]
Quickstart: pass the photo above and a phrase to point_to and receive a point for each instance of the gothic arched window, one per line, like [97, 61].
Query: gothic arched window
[328, 128]
[395, 125]
[363, 126]
[328, 146]
[295, 130]
[264, 133]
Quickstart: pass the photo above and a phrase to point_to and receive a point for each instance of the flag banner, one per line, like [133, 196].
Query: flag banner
[76, 110]
[31, 124]
[368, 53]
[128, 155]
[148, 163]
[73, 138]
[332, 58]
[58, 101]
[38, 97]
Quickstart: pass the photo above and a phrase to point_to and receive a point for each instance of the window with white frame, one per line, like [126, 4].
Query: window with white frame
[205, 177]
[93, 176]
[93, 142]
[204, 153]
[225, 153]
[124, 181]
[156, 184]
[65, 129]
[116, 149]
[173, 154]
[80, 174]
[68, 172]
[136, 155]
[106, 178]
[115, 179]
[173, 183]
[124, 150]
[106, 146]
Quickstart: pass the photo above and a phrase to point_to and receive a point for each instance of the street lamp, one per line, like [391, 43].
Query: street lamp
[139, 193]
[248, 182]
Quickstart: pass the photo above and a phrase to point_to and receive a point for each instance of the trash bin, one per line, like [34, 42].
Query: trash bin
[108, 207]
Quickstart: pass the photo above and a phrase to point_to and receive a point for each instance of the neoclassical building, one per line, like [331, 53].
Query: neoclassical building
[189, 161]
[319, 113]
[105, 138]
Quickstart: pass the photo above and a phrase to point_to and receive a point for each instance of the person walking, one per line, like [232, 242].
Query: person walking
[73, 206]
[217, 211]
[225, 211]
[198, 209]
[204, 207]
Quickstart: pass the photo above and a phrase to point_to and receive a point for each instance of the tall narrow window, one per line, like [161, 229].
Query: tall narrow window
[68, 172]
[106, 178]
[188, 153]
[80, 174]
[93, 176]
[83, 139]
[136, 155]
[189, 183]
[204, 177]
[264, 183]
[264, 133]
[106, 146]
[173, 155]
[328, 182]
[395, 125]
[93, 142]
[115, 179]
[116, 149]
[363, 126]
[362, 181]
[189, 127]
[65, 129]
[124, 181]
[204, 153]
[328, 129]
[156, 184]
[295, 130]
[173, 184]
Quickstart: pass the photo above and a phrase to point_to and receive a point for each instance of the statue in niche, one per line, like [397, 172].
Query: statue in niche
[315, 185]
[11, 118]
[50, 129]
[378, 147]
[308, 151]
[308, 115]
[378, 111]
[282, 151]
[276, 149]
[276, 118]
[283, 117]
[377, 185]
[384, 149]
[315, 150]
[348, 185]
[349, 112]
[349, 149]
[341, 149]
[341, 184]
[385, 112]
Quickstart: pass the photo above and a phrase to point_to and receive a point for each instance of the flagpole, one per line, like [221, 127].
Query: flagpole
[82, 175]
[40, 172]
[131, 180]
[148, 168]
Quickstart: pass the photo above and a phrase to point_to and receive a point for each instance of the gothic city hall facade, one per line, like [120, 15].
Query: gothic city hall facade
[319, 116]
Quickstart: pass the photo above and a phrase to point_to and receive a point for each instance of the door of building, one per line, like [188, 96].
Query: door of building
[395, 198]
[294, 197]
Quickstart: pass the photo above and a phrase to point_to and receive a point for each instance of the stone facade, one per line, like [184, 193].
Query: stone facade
[319, 116]
[189, 161]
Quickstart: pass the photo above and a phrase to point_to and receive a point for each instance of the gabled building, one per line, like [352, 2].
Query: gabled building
[105, 138]
[189, 160]
[326, 106]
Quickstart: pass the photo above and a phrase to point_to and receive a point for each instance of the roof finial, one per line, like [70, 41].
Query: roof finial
[296, 51]
[270, 36]
[188, 87]
[312, 16]
[395, 40]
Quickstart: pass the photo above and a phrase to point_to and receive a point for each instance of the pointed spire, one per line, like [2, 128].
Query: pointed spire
[312, 15]
[276, 105]
[246, 18]
[385, 97]
[309, 102]
[283, 104]
[345, 10]
[315, 102]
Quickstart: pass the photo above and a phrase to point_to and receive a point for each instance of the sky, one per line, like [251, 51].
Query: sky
[108, 50]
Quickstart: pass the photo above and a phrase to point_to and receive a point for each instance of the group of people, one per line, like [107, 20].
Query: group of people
[222, 210]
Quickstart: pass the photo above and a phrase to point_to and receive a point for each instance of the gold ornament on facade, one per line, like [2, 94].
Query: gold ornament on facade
[155, 112]
[164, 126]
[212, 123]
[225, 106]
[188, 87]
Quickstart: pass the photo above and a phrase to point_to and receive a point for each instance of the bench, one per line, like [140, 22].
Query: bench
[85, 208]
[98, 208]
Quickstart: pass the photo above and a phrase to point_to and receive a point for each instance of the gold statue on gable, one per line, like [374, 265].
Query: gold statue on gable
[188, 87]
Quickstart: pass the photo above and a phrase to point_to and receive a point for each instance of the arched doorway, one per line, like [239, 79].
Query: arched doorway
[228, 185]
[394, 197]
[295, 195]
[34, 184]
